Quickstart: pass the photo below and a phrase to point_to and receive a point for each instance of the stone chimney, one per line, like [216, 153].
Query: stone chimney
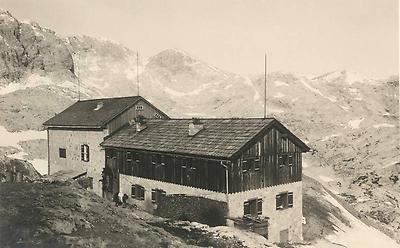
[140, 123]
[99, 106]
[195, 126]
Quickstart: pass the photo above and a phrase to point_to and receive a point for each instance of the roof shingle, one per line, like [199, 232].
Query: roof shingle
[83, 113]
[219, 138]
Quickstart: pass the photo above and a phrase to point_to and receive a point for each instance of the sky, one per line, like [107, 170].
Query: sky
[308, 37]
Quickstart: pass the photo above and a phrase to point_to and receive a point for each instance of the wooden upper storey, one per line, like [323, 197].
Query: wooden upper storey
[262, 155]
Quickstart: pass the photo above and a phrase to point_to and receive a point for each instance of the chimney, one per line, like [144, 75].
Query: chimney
[140, 123]
[99, 106]
[195, 126]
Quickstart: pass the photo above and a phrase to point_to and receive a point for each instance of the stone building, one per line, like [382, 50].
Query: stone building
[75, 134]
[252, 164]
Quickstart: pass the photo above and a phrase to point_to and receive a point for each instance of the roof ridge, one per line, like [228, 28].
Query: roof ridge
[222, 118]
[107, 98]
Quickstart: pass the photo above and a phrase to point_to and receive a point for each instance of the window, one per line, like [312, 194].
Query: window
[258, 149]
[62, 152]
[282, 160]
[257, 163]
[137, 192]
[291, 165]
[284, 143]
[157, 195]
[245, 165]
[253, 207]
[129, 164]
[85, 153]
[157, 115]
[139, 107]
[252, 158]
[284, 200]
[128, 157]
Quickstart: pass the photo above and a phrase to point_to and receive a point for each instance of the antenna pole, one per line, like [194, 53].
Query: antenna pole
[137, 73]
[76, 68]
[265, 85]
[79, 89]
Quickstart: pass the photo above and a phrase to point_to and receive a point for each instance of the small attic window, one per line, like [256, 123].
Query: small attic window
[139, 107]
[99, 106]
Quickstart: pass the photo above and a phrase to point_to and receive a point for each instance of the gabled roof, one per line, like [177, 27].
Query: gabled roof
[83, 113]
[220, 138]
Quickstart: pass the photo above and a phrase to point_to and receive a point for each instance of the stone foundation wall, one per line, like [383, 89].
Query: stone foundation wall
[127, 181]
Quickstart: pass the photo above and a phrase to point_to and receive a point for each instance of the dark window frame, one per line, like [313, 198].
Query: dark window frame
[85, 153]
[138, 192]
[284, 200]
[157, 194]
[62, 152]
[253, 207]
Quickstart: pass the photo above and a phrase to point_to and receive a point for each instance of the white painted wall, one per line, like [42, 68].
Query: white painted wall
[290, 218]
[72, 140]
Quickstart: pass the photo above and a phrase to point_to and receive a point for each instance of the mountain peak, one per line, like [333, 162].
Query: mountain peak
[5, 16]
[175, 52]
[172, 58]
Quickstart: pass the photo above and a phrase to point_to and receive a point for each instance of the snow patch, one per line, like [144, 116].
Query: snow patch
[354, 124]
[248, 82]
[316, 91]
[325, 178]
[280, 83]
[12, 139]
[11, 88]
[344, 108]
[326, 138]
[249, 239]
[383, 125]
[279, 95]
[40, 165]
[358, 235]
[228, 86]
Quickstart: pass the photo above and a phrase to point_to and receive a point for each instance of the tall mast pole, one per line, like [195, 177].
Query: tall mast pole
[265, 85]
[76, 69]
[137, 73]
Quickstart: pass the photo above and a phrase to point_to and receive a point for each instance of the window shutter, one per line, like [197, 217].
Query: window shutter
[259, 206]
[133, 191]
[246, 208]
[257, 163]
[244, 165]
[87, 152]
[279, 202]
[141, 189]
[290, 199]
[82, 152]
[153, 196]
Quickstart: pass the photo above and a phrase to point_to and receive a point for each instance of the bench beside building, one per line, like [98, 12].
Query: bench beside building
[75, 134]
[252, 164]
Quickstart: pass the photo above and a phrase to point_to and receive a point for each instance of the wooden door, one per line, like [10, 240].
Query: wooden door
[284, 236]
